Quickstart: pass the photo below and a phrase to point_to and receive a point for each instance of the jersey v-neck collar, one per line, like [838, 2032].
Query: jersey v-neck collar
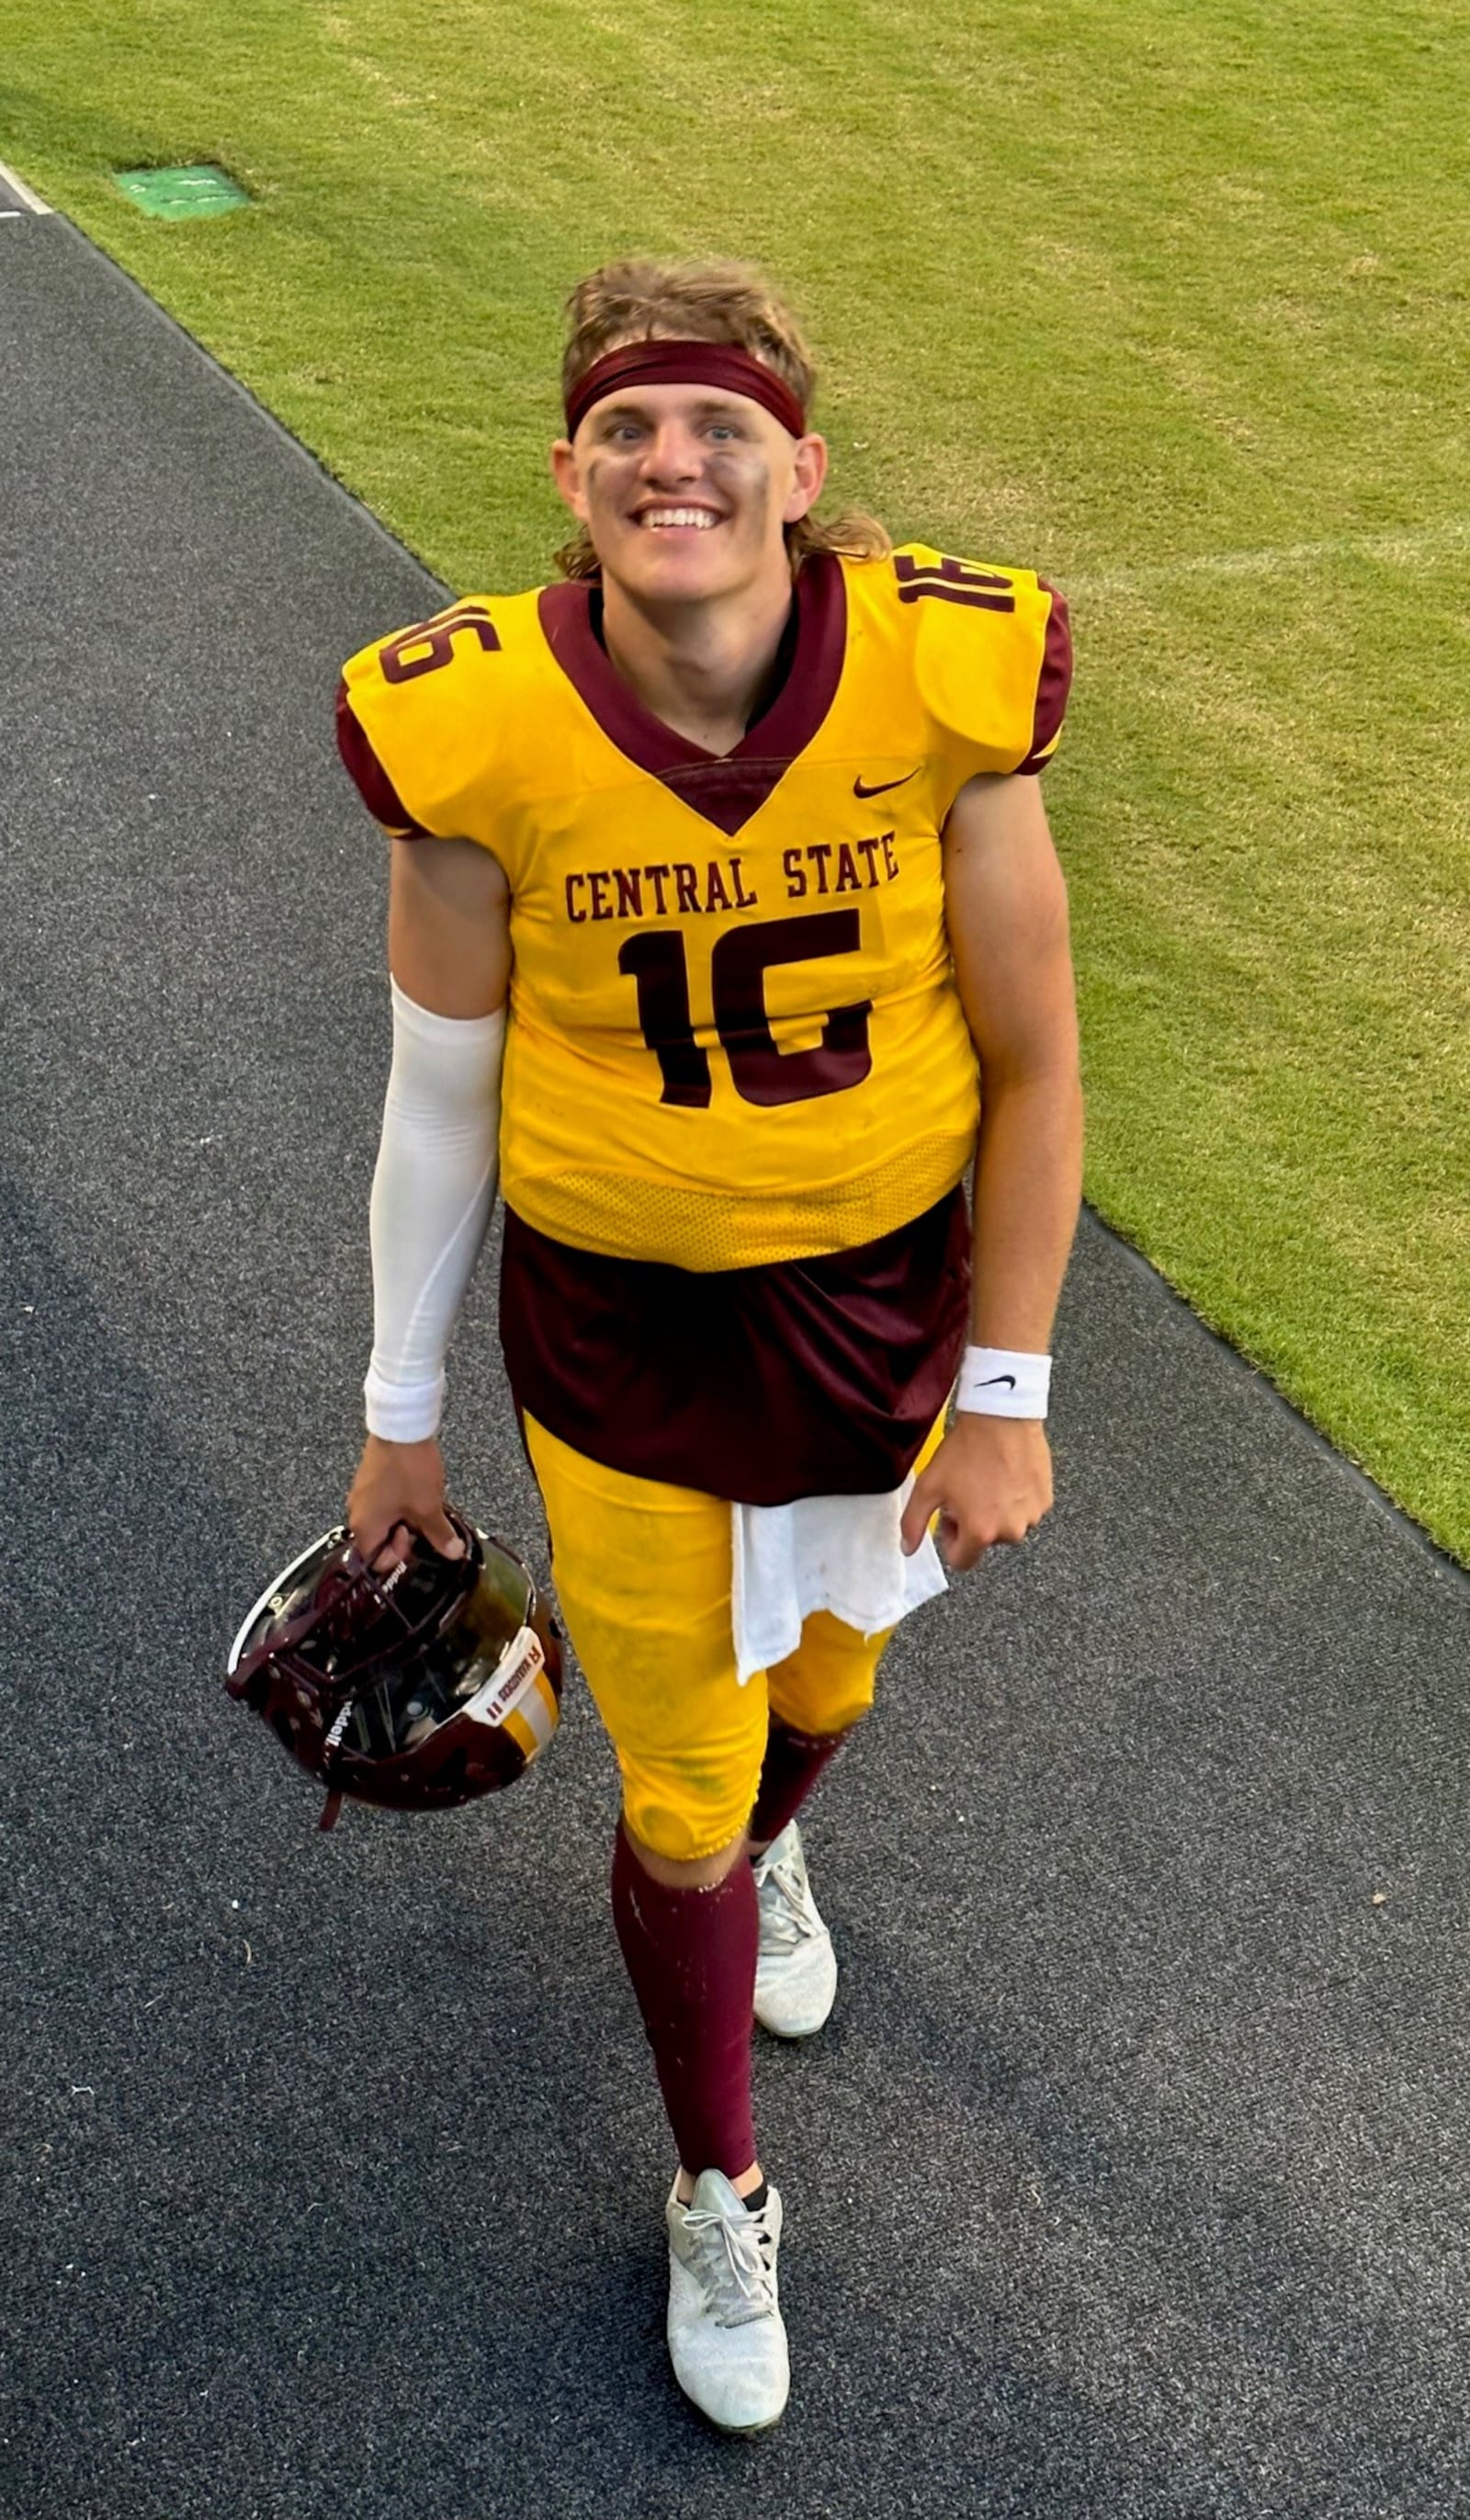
[726, 789]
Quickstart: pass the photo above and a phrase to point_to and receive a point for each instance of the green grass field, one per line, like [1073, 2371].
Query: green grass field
[1167, 300]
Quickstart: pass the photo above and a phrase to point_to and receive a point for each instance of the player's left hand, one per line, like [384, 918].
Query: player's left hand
[990, 1480]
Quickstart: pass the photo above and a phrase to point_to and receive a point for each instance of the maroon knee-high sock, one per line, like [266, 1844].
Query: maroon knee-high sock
[793, 1764]
[691, 1954]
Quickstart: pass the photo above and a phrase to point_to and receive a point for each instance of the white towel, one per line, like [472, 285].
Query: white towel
[837, 1552]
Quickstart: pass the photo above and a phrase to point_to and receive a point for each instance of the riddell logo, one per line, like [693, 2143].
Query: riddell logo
[333, 1737]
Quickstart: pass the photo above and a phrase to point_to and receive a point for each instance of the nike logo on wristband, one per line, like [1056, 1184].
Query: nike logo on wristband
[996, 1377]
[861, 788]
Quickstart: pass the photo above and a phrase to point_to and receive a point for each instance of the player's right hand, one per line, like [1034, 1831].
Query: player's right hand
[398, 1490]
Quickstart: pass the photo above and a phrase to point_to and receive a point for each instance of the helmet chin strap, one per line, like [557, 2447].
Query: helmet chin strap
[330, 1809]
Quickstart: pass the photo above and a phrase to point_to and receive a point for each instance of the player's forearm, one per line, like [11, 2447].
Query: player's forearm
[1028, 1189]
[432, 1194]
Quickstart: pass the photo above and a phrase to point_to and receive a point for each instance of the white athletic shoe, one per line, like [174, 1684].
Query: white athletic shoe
[797, 1967]
[725, 2334]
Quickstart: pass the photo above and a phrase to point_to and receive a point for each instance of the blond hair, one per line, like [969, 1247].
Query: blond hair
[642, 300]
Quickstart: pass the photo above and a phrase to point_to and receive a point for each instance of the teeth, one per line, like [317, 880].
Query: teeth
[678, 516]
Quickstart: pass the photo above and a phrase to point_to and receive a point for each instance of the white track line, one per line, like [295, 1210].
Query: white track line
[28, 199]
[1411, 543]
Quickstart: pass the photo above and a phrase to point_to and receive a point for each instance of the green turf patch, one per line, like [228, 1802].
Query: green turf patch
[182, 192]
[1166, 301]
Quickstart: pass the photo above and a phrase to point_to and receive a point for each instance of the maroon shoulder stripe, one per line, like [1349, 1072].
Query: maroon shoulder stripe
[368, 775]
[1053, 683]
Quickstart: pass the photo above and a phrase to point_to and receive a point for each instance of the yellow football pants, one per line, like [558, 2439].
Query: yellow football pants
[643, 1575]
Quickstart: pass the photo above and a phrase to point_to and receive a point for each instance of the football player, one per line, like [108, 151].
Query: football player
[725, 917]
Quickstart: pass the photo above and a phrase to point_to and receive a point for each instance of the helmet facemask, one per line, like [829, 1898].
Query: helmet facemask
[421, 1686]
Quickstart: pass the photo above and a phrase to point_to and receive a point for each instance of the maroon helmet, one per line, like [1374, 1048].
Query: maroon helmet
[420, 1687]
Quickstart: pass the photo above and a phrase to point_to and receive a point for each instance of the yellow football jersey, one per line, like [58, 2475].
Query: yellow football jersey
[734, 1032]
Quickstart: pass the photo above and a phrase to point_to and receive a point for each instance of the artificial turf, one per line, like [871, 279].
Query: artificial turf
[1168, 301]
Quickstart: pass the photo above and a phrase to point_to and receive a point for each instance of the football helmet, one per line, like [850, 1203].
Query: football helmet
[419, 1686]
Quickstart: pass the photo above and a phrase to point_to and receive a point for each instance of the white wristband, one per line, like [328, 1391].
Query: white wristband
[1003, 1383]
[403, 1413]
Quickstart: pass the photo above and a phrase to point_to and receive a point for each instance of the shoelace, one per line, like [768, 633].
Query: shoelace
[737, 2273]
[787, 1918]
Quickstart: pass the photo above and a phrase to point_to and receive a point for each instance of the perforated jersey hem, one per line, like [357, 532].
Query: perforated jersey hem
[625, 1218]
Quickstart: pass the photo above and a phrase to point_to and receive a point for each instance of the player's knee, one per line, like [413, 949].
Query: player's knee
[686, 1818]
[828, 1684]
[695, 1873]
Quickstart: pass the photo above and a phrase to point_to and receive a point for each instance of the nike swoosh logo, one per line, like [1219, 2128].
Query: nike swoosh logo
[996, 1377]
[860, 789]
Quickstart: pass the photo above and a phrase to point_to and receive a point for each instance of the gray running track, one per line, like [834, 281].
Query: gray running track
[1131, 2175]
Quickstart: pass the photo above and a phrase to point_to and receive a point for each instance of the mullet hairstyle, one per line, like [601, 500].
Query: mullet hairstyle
[645, 300]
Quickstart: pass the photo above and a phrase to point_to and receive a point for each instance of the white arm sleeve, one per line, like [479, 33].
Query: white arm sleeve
[432, 1194]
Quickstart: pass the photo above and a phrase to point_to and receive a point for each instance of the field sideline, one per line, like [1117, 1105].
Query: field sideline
[1169, 305]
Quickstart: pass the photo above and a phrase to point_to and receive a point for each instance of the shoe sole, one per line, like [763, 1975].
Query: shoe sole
[731, 2432]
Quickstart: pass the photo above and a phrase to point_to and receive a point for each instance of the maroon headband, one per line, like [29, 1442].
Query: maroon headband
[686, 363]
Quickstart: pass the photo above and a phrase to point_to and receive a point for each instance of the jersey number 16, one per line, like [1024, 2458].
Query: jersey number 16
[657, 961]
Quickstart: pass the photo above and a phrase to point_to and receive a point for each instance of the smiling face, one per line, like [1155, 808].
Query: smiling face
[686, 491]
